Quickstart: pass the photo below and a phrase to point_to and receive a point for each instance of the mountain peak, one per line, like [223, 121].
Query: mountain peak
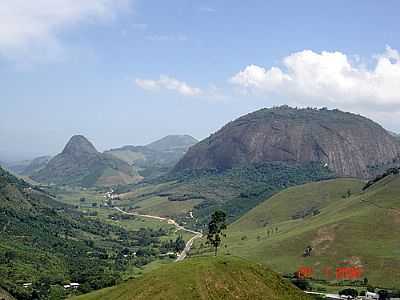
[79, 144]
[348, 144]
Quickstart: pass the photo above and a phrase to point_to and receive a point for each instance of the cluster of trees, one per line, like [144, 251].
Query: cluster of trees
[391, 171]
[239, 189]
[173, 246]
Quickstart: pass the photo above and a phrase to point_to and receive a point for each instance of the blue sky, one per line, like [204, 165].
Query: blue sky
[129, 72]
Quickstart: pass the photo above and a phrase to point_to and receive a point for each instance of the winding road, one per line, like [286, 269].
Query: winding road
[189, 243]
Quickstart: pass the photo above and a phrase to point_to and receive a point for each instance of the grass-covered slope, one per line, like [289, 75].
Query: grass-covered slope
[235, 191]
[299, 201]
[342, 224]
[204, 278]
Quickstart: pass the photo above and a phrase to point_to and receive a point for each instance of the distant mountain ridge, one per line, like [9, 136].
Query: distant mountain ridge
[157, 157]
[173, 143]
[81, 164]
[26, 167]
[349, 144]
[36, 165]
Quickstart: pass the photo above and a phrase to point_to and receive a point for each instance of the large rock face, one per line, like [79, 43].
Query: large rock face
[81, 164]
[348, 144]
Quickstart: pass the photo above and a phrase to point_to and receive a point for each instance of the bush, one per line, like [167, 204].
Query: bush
[302, 284]
[349, 292]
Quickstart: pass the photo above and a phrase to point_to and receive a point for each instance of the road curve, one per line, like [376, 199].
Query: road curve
[189, 243]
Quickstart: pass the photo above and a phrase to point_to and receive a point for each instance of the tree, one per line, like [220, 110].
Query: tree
[179, 244]
[56, 292]
[365, 281]
[215, 229]
[10, 255]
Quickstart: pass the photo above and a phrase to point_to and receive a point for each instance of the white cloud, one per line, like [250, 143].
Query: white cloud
[27, 23]
[168, 83]
[329, 78]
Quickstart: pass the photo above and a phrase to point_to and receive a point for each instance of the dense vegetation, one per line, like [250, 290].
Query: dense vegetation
[47, 244]
[391, 171]
[237, 190]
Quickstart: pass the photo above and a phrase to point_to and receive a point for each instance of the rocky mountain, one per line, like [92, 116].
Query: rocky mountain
[81, 164]
[348, 144]
[157, 157]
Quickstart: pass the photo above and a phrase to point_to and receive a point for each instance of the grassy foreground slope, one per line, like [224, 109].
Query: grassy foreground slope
[204, 278]
[343, 225]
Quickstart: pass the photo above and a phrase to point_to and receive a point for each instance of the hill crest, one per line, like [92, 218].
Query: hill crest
[349, 144]
[78, 144]
[204, 278]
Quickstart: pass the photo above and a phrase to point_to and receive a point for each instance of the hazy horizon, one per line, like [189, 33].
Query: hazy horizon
[105, 146]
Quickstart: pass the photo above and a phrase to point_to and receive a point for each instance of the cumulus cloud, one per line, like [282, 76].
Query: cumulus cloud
[26, 23]
[169, 83]
[329, 78]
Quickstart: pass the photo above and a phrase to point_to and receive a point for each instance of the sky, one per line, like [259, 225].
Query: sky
[127, 72]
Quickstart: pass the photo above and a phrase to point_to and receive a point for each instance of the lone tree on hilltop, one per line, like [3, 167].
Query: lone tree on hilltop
[216, 226]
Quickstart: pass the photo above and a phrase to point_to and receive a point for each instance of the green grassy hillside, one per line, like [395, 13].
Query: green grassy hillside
[235, 191]
[344, 227]
[204, 278]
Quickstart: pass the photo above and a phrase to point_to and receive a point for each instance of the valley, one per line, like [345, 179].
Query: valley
[103, 225]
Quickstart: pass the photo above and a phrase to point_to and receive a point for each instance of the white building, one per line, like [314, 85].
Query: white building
[371, 296]
[75, 285]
